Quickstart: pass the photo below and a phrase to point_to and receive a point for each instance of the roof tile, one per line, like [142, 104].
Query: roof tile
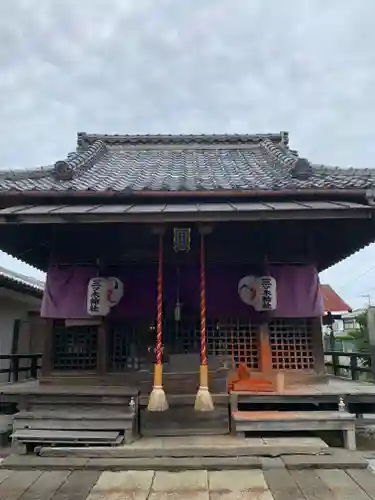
[185, 163]
[332, 301]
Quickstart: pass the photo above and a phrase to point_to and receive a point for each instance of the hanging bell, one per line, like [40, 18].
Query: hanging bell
[177, 311]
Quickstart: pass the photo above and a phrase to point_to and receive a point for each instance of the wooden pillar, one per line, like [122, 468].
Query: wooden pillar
[318, 347]
[47, 357]
[264, 348]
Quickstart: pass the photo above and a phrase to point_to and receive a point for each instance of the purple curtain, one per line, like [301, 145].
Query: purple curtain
[298, 291]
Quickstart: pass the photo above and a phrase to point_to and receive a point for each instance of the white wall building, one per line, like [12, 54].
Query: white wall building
[20, 301]
[347, 323]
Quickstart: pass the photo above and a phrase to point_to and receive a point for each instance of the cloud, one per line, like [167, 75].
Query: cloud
[167, 66]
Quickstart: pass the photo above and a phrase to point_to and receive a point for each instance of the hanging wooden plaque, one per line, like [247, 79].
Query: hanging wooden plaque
[181, 239]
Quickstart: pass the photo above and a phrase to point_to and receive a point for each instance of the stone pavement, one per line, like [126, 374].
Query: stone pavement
[271, 484]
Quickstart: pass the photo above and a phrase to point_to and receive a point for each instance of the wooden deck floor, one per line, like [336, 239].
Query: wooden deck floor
[274, 484]
[329, 385]
[31, 387]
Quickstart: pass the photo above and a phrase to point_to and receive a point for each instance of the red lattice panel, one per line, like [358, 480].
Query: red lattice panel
[292, 344]
[235, 339]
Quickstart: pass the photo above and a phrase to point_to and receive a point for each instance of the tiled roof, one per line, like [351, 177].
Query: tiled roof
[332, 301]
[25, 284]
[185, 163]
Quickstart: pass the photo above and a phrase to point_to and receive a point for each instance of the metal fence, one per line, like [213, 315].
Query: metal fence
[357, 365]
[29, 364]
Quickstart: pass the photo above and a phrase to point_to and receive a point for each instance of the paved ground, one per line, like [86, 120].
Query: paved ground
[274, 484]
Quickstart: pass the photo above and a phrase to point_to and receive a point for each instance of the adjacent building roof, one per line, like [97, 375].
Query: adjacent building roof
[184, 163]
[20, 282]
[333, 303]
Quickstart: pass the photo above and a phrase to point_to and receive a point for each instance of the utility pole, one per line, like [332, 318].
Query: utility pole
[371, 335]
[368, 297]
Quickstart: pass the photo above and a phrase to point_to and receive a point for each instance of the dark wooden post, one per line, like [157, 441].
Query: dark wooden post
[371, 335]
[354, 367]
[329, 322]
[264, 345]
[102, 355]
[47, 358]
[318, 347]
[34, 366]
[335, 363]
[14, 367]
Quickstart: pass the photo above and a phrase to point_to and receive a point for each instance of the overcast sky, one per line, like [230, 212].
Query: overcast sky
[192, 66]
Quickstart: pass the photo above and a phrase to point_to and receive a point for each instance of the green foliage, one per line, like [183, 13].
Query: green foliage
[344, 337]
[360, 336]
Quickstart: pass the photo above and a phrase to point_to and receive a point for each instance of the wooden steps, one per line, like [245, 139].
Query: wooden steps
[5, 429]
[72, 420]
[185, 421]
[64, 425]
[188, 400]
[287, 421]
[67, 437]
[58, 416]
[184, 382]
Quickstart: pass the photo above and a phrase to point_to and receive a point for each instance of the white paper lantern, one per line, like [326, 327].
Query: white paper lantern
[258, 292]
[266, 297]
[97, 297]
[115, 291]
[247, 289]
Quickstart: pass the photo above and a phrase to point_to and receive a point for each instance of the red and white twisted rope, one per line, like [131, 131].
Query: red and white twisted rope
[203, 304]
[159, 318]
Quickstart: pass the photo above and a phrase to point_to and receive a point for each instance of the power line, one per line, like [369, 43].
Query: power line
[351, 280]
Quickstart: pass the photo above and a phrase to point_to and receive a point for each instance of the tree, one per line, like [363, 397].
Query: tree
[361, 335]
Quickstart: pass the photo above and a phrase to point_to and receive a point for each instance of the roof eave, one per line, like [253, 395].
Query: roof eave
[335, 192]
[23, 288]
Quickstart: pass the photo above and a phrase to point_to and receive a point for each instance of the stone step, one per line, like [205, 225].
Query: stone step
[337, 459]
[196, 446]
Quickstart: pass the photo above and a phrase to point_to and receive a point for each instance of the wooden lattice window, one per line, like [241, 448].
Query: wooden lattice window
[74, 347]
[235, 339]
[127, 341]
[182, 337]
[292, 344]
